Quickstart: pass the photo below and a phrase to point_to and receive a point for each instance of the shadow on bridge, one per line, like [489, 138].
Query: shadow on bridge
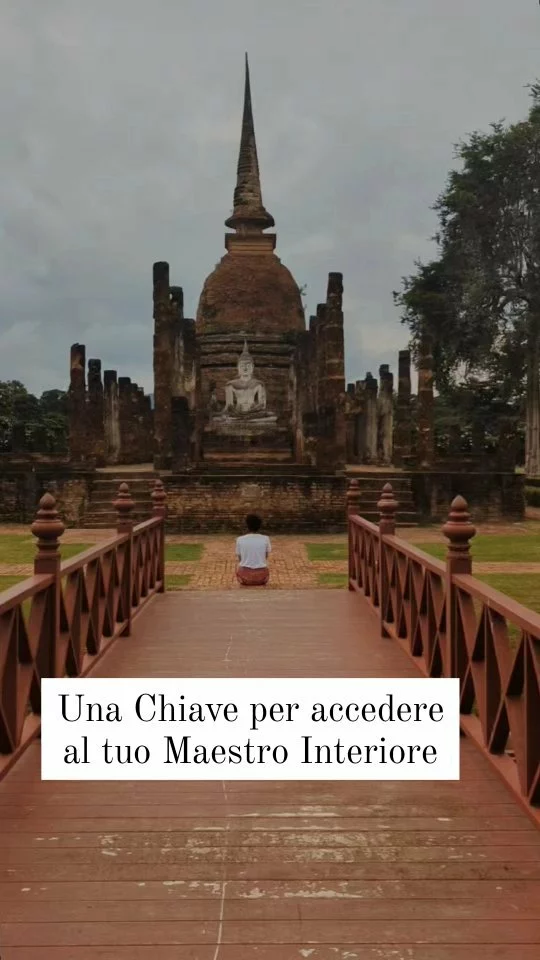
[272, 871]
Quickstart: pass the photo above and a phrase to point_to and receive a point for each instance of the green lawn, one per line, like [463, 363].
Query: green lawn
[523, 587]
[183, 552]
[15, 548]
[494, 549]
[326, 551]
[335, 580]
[176, 581]
[7, 582]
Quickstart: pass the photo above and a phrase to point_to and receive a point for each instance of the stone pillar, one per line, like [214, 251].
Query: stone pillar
[360, 422]
[385, 411]
[124, 419]
[320, 354]
[426, 442]
[403, 426]
[163, 364]
[331, 386]
[137, 456]
[370, 415]
[350, 423]
[111, 416]
[77, 404]
[96, 425]
[334, 341]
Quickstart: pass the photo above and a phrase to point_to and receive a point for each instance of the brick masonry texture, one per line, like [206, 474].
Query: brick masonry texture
[208, 504]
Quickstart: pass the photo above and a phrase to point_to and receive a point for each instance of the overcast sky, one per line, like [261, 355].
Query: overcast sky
[120, 124]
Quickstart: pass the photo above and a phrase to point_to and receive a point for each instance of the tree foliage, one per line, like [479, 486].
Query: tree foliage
[31, 424]
[480, 298]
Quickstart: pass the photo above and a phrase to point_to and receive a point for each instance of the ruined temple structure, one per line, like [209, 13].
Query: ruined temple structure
[248, 382]
[110, 418]
[250, 405]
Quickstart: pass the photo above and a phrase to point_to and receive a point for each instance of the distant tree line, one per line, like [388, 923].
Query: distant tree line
[31, 424]
[479, 298]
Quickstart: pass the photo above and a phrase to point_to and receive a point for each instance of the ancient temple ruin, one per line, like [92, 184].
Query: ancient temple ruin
[250, 407]
[247, 381]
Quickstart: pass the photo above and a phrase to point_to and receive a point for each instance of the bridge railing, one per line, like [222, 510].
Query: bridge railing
[60, 621]
[453, 625]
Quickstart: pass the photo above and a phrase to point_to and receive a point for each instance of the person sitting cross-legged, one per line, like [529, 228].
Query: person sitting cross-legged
[252, 552]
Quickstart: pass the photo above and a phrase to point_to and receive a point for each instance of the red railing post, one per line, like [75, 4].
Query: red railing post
[459, 531]
[387, 507]
[48, 528]
[159, 509]
[353, 502]
[124, 508]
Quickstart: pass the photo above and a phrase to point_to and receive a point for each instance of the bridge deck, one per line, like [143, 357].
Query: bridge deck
[255, 871]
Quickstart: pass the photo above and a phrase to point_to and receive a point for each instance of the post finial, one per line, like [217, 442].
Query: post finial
[47, 527]
[387, 507]
[124, 507]
[459, 531]
[353, 497]
[159, 499]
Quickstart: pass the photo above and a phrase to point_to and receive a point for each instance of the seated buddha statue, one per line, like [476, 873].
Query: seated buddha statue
[245, 396]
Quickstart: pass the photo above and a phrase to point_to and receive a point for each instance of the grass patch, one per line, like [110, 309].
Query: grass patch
[11, 581]
[22, 549]
[183, 552]
[176, 581]
[7, 581]
[492, 548]
[523, 587]
[335, 580]
[326, 551]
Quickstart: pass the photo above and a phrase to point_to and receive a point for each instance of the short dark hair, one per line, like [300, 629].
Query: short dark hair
[253, 522]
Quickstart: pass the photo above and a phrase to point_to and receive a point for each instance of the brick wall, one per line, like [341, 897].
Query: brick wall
[22, 485]
[490, 496]
[210, 503]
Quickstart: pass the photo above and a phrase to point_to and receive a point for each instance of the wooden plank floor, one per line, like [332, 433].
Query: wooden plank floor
[255, 871]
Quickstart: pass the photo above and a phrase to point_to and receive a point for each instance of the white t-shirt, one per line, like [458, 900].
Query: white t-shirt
[252, 550]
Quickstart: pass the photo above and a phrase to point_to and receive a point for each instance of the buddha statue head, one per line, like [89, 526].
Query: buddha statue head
[245, 365]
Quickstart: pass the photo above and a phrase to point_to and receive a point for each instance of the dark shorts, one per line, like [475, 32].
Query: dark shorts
[253, 578]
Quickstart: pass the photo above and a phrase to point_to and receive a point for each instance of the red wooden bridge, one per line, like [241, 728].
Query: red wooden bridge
[272, 871]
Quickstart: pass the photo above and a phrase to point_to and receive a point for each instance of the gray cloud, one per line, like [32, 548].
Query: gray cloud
[120, 124]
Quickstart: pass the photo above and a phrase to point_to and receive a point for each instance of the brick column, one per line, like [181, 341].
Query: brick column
[96, 424]
[403, 425]
[385, 410]
[370, 419]
[111, 415]
[163, 364]
[77, 404]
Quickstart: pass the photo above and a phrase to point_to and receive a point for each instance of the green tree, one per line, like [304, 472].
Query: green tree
[480, 299]
[489, 217]
[42, 425]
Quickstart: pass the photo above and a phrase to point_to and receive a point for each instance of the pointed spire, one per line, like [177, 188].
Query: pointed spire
[249, 213]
